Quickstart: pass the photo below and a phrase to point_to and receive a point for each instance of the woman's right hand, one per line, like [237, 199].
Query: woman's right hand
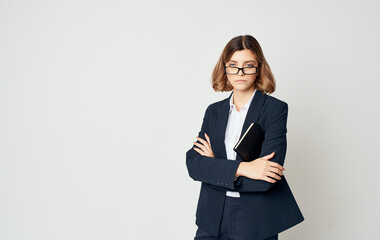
[261, 169]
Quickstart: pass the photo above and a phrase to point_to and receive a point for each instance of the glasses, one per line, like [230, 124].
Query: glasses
[235, 70]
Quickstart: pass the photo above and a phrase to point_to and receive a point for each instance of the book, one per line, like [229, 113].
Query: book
[249, 145]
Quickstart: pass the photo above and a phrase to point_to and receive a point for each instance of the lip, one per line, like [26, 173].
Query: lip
[240, 81]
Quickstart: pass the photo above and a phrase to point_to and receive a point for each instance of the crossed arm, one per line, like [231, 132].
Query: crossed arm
[220, 172]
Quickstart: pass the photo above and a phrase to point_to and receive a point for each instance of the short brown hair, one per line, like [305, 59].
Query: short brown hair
[264, 82]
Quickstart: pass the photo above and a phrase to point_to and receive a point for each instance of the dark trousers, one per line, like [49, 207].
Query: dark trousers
[233, 223]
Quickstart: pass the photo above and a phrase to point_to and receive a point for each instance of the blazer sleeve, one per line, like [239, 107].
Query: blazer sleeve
[218, 172]
[274, 141]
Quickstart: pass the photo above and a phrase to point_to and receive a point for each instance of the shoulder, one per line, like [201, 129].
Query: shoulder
[273, 103]
[273, 110]
[214, 107]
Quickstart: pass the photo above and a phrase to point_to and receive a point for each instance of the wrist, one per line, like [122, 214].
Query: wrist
[240, 170]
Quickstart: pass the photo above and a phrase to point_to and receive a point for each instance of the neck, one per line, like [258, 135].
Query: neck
[240, 98]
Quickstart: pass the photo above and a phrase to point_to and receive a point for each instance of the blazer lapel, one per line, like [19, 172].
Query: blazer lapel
[252, 116]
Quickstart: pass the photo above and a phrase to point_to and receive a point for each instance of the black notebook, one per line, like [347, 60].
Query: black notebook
[249, 145]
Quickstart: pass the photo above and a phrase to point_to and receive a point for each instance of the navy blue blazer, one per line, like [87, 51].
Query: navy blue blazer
[270, 207]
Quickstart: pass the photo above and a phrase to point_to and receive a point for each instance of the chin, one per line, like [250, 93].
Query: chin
[241, 87]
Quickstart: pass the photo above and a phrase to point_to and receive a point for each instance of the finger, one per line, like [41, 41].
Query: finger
[199, 151]
[268, 156]
[276, 165]
[204, 143]
[276, 170]
[201, 146]
[273, 175]
[208, 140]
[268, 179]
[204, 152]
[279, 166]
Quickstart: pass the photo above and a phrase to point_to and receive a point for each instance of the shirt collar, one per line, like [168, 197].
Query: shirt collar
[246, 106]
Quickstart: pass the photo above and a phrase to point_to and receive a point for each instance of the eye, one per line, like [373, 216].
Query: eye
[231, 65]
[249, 65]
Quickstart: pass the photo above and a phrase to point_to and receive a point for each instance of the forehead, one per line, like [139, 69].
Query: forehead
[243, 56]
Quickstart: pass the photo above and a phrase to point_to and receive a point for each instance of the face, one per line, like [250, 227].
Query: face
[240, 81]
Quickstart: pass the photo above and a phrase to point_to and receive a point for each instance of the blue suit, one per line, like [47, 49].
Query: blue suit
[270, 207]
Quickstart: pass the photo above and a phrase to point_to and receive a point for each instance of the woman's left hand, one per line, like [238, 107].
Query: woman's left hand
[205, 149]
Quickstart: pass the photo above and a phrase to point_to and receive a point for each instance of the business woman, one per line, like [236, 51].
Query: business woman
[242, 200]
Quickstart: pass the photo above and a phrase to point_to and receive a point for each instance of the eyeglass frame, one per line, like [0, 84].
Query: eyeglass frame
[242, 69]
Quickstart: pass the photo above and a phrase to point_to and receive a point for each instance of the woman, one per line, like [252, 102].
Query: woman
[242, 200]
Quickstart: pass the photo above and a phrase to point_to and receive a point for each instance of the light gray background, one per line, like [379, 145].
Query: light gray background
[100, 100]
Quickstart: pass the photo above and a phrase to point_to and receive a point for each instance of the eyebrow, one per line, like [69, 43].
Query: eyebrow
[243, 62]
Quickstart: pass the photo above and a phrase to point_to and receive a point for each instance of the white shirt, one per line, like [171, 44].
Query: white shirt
[233, 131]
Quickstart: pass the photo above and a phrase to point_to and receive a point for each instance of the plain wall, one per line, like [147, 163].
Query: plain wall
[100, 100]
